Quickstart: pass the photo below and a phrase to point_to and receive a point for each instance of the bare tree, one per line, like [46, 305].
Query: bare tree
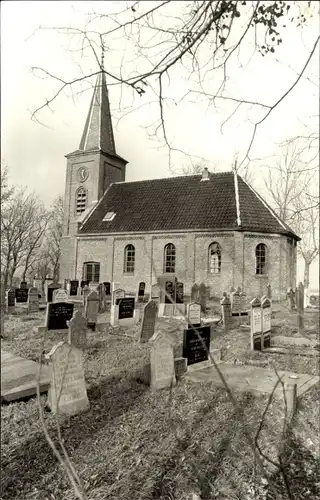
[200, 41]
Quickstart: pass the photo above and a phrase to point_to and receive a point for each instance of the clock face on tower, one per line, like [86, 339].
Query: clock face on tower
[82, 174]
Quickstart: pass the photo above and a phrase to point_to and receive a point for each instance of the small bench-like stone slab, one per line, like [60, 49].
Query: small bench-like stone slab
[19, 377]
[280, 340]
[291, 350]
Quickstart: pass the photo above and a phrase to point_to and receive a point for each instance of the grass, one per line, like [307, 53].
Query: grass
[139, 445]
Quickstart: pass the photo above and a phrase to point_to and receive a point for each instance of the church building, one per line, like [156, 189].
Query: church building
[212, 228]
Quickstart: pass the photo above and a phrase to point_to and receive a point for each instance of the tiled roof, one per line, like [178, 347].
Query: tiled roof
[182, 203]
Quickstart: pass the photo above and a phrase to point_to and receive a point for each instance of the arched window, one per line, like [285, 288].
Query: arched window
[214, 258]
[81, 200]
[261, 259]
[169, 258]
[129, 258]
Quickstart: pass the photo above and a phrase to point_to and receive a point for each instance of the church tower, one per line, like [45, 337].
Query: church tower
[90, 171]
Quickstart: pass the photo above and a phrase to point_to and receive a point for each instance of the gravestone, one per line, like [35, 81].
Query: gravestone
[195, 293]
[269, 291]
[23, 284]
[102, 298]
[141, 291]
[235, 303]
[37, 283]
[196, 344]
[203, 297]
[21, 295]
[74, 285]
[59, 295]
[107, 287]
[255, 324]
[122, 312]
[266, 322]
[77, 335]
[179, 293]
[226, 312]
[50, 289]
[155, 291]
[243, 303]
[33, 300]
[194, 315]
[11, 298]
[67, 394]
[180, 366]
[85, 293]
[92, 309]
[170, 296]
[290, 299]
[150, 313]
[162, 362]
[119, 293]
[57, 315]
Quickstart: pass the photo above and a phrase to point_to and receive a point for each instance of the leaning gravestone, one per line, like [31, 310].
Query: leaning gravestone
[33, 300]
[77, 335]
[162, 362]
[194, 315]
[92, 309]
[266, 322]
[203, 297]
[148, 321]
[67, 394]
[255, 325]
[11, 298]
[58, 314]
[21, 295]
[59, 295]
[194, 293]
[196, 344]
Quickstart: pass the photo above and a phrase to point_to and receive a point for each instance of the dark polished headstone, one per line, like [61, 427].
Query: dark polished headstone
[58, 314]
[193, 348]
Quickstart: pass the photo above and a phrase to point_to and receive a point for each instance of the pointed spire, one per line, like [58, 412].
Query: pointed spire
[98, 131]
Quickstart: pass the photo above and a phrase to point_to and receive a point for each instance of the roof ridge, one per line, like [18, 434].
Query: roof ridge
[174, 177]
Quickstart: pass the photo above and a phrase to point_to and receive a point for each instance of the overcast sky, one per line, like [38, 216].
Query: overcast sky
[35, 153]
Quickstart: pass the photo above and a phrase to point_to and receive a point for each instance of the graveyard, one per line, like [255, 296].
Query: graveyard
[143, 413]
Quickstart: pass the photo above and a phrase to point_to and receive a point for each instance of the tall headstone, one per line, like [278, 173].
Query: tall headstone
[256, 324]
[67, 394]
[74, 285]
[226, 312]
[235, 303]
[33, 300]
[11, 298]
[266, 322]
[203, 297]
[57, 315]
[195, 293]
[162, 362]
[194, 315]
[77, 335]
[92, 308]
[60, 295]
[149, 319]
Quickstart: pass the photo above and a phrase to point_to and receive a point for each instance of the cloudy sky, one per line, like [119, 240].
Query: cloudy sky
[35, 152]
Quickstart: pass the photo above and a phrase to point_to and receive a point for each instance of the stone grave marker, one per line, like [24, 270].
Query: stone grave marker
[37, 283]
[85, 293]
[196, 344]
[119, 293]
[11, 298]
[33, 300]
[194, 315]
[256, 324]
[60, 295]
[266, 323]
[50, 289]
[107, 287]
[243, 303]
[155, 291]
[22, 295]
[92, 309]
[141, 291]
[226, 312]
[67, 394]
[180, 309]
[57, 315]
[194, 293]
[162, 362]
[74, 285]
[170, 296]
[180, 366]
[235, 303]
[269, 291]
[203, 297]
[77, 335]
[150, 314]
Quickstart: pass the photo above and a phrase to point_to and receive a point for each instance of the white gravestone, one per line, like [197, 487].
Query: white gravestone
[162, 362]
[119, 293]
[194, 314]
[77, 335]
[255, 324]
[266, 322]
[60, 295]
[67, 394]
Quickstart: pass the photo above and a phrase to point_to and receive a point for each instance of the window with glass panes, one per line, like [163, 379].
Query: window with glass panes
[169, 258]
[91, 272]
[129, 259]
[261, 259]
[214, 258]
